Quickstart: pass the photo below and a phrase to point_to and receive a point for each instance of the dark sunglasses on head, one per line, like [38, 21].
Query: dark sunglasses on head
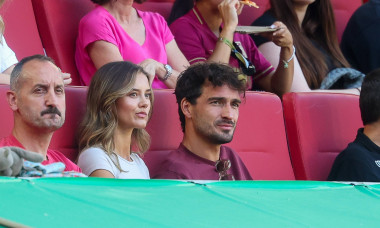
[221, 167]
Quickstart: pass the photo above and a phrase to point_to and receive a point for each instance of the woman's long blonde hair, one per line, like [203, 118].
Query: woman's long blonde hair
[111, 82]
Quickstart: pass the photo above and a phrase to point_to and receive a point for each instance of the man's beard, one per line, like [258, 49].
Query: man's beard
[210, 133]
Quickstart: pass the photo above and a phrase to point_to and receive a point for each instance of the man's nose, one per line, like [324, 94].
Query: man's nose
[228, 112]
[51, 99]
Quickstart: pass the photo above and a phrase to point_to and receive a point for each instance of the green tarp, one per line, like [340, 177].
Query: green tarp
[96, 202]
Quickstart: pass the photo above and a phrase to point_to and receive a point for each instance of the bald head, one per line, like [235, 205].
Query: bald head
[18, 73]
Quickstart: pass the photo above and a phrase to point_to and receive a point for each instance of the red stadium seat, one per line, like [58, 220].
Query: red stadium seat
[343, 10]
[57, 22]
[21, 31]
[65, 139]
[319, 126]
[6, 114]
[260, 138]
[164, 129]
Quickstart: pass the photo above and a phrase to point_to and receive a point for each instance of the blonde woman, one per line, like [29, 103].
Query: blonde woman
[7, 56]
[119, 105]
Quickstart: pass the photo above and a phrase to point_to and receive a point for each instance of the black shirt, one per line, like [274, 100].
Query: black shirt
[360, 41]
[360, 161]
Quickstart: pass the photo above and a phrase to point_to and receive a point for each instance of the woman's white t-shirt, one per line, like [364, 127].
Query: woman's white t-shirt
[7, 56]
[95, 158]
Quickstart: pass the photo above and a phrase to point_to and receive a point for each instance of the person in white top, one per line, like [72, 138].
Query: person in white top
[7, 56]
[7, 61]
[119, 105]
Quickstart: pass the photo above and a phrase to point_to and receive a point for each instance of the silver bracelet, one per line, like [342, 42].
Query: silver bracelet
[286, 63]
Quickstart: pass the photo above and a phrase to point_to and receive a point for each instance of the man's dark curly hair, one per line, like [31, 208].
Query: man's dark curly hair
[191, 81]
[369, 100]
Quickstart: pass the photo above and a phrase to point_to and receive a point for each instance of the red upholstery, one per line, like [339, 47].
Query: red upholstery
[319, 126]
[164, 129]
[58, 26]
[162, 8]
[260, 138]
[343, 9]
[65, 138]
[6, 114]
[21, 31]
[250, 14]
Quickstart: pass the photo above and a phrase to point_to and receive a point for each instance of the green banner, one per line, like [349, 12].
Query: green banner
[97, 202]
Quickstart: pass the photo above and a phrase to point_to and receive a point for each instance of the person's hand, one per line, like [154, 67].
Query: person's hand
[66, 78]
[229, 10]
[152, 67]
[239, 8]
[11, 160]
[282, 37]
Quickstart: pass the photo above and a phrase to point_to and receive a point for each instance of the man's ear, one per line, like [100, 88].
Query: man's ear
[186, 108]
[12, 100]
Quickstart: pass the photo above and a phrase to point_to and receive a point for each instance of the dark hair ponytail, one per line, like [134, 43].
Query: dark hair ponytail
[180, 8]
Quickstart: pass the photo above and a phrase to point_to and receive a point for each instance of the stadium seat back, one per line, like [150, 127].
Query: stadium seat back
[343, 10]
[65, 139]
[6, 114]
[21, 31]
[260, 137]
[58, 22]
[164, 128]
[319, 126]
